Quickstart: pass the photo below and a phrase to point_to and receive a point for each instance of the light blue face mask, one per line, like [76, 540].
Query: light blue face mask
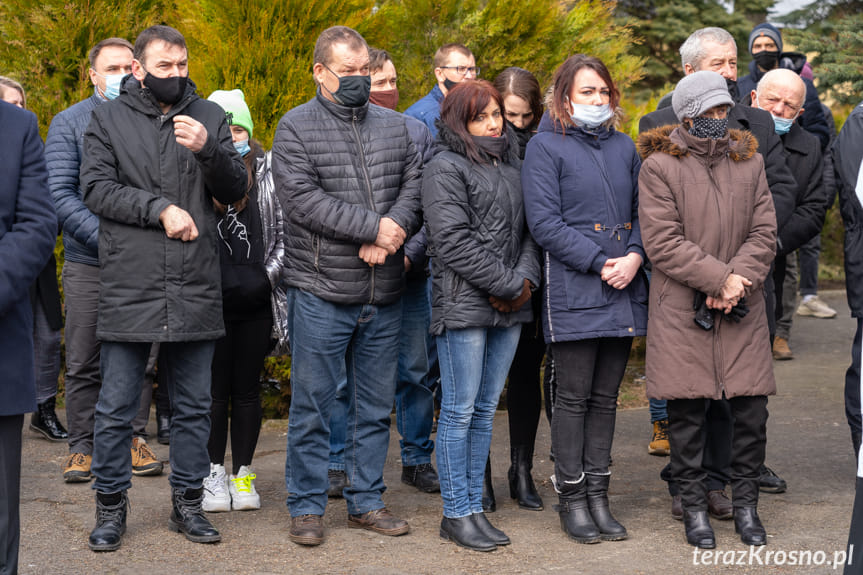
[243, 147]
[781, 125]
[112, 85]
[590, 116]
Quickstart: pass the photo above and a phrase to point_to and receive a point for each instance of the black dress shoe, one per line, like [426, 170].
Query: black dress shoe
[747, 523]
[422, 476]
[464, 532]
[489, 530]
[769, 482]
[163, 429]
[187, 516]
[110, 521]
[698, 530]
[44, 420]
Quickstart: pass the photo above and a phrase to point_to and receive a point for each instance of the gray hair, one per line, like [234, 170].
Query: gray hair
[692, 51]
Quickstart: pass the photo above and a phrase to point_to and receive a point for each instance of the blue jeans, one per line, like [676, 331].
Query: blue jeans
[328, 342]
[339, 426]
[123, 366]
[658, 410]
[473, 365]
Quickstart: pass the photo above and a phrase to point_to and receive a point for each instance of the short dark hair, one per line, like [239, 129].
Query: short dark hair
[336, 35]
[519, 82]
[377, 59]
[564, 78]
[95, 50]
[166, 34]
[442, 54]
[464, 103]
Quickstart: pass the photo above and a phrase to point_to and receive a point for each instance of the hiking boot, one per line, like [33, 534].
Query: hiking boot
[659, 442]
[144, 461]
[718, 504]
[338, 481]
[77, 468]
[422, 476]
[217, 496]
[781, 351]
[814, 307]
[45, 421]
[111, 509]
[307, 530]
[380, 521]
[244, 497]
[187, 516]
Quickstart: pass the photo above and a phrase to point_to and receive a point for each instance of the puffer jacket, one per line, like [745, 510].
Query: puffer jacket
[153, 288]
[337, 172]
[705, 212]
[478, 240]
[273, 230]
[581, 200]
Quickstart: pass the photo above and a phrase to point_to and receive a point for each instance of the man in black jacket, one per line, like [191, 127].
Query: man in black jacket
[715, 49]
[347, 175]
[154, 159]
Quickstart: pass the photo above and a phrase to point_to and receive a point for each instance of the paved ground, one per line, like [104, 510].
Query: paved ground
[808, 444]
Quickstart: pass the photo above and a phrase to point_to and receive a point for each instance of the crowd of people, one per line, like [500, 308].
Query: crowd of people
[441, 253]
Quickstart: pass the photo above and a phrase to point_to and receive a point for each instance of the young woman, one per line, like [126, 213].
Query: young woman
[580, 192]
[251, 253]
[484, 266]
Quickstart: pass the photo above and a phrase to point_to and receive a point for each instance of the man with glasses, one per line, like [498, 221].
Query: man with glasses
[452, 64]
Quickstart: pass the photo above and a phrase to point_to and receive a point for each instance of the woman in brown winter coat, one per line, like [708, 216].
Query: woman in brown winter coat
[709, 229]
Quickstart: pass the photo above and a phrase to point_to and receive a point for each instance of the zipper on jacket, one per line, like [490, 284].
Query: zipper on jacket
[368, 188]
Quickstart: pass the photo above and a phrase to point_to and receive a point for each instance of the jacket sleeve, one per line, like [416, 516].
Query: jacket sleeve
[407, 208]
[529, 264]
[807, 219]
[305, 201]
[61, 156]
[103, 194]
[276, 258]
[447, 210]
[666, 245]
[754, 257]
[222, 167]
[540, 183]
[27, 244]
[782, 184]
[847, 158]
[415, 248]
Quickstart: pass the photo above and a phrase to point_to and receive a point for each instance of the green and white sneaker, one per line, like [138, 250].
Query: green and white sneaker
[243, 494]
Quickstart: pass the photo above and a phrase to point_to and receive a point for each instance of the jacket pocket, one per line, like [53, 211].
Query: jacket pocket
[583, 291]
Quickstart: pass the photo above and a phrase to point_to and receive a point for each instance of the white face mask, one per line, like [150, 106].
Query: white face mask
[590, 116]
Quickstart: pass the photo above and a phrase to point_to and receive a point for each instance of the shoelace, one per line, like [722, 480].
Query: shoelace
[662, 432]
[145, 452]
[244, 483]
[77, 459]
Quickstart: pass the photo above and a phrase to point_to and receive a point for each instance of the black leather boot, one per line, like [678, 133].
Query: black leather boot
[489, 530]
[188, 517]
[699, 533]
[597, 502]
[747, 523]
[489, 504]
[575, 518]
[521, 486]
[163, 429]
[464, 532]
[111, 511]
[44, 420]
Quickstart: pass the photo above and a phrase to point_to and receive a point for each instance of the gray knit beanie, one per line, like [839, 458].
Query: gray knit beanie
[766, 29]
[698, 92]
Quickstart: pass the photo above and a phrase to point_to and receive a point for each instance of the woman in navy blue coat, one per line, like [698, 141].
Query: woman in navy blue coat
[581, 200]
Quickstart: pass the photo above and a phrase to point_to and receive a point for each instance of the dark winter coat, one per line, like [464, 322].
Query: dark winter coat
[338, 171]
[151, 287]
[581, 200]
[478, 238]
[705, 212]
[847, 157]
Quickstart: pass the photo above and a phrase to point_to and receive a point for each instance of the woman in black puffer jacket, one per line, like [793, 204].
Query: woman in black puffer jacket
[484, 266]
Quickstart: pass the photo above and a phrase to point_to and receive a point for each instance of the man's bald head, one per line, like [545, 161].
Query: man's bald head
[781, 92]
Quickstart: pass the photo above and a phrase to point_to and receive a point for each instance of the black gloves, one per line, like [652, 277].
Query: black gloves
[704, 317]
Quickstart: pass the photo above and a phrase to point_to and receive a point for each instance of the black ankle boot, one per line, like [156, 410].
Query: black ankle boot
[699, 533]
[44, 420]
[188, 517]
[489, 504]
[747, 523]
[496, 535]
[597, 502]
[575, 518]
[521, 486]
[464, 532]
[111, 511]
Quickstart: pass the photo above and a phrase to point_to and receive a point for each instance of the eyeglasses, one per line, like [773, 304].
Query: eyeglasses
[463, 70]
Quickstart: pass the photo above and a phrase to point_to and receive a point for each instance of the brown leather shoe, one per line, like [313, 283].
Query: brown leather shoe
[676, 508]
[307, 530]
[718, 505]
[781, 351]
[380, 521]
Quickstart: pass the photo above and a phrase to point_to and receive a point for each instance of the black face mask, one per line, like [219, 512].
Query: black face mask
[732, 89]
[766, 59]
[353, 91]
[166, 90]
[522, 135]
[449, 84]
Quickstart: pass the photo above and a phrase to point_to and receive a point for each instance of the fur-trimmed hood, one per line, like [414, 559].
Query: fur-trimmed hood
[740, 145]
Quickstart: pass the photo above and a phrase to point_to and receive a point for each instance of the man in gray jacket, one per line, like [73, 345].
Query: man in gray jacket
[154, 159]
[347, 175]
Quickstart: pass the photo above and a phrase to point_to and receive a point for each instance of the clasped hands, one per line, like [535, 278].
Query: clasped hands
[733, 290]
[512, 305]
[618, 272]
[390, 238]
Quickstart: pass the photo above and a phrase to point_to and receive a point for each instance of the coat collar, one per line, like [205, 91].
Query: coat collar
[343, 113]
[675, 141]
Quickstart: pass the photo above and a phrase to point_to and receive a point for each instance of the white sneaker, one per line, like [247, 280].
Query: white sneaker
[814, 307]
[243, 494]
[217, 497]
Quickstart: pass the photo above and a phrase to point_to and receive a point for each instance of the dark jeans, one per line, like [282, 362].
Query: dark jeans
[585, 408]
[524, 390]
[237, 364]
[718, 432]
[46, 353]
[10, 487]
[808, 259]
[123, 366]
[852, 383]
[686, 422]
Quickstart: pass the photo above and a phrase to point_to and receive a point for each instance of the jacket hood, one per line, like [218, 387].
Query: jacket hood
[792, 61]
[740, 144]
[448, 139]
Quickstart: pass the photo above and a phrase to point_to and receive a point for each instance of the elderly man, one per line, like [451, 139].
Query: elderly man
[348, 176]
[154, 160]
[782, 93]
[453, 63]
[715, 49]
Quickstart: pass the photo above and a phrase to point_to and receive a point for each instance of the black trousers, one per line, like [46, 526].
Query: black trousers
[686, 422]
[585, 408]
[10, 491]
[524, 391]
[852, 385]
